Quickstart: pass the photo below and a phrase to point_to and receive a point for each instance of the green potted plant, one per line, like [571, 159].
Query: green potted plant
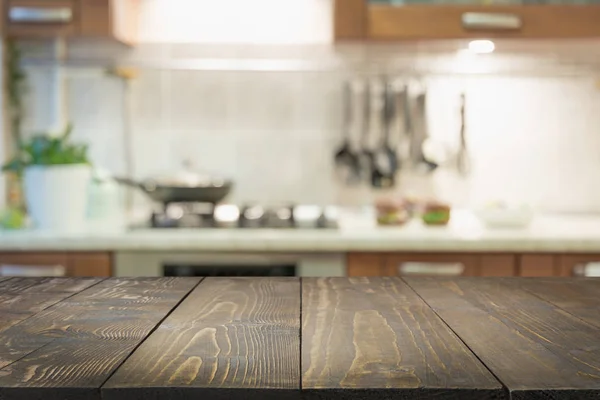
[56, 174]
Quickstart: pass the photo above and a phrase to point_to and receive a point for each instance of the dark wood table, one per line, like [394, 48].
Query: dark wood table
[292, 338]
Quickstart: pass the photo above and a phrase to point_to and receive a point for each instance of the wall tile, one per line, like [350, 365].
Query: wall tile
[201, 100]
[265, 101]
[531, 139]
[42, 112]
[150, 104]
[96, 102]
[153, 153]
[206, 151]
[320, 101]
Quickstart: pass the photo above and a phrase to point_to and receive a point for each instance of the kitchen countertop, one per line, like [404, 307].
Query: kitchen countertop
[299, 338]
[548, 233]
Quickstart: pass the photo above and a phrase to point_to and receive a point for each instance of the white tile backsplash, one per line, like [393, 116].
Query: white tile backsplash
[200, 100]
[531, 139]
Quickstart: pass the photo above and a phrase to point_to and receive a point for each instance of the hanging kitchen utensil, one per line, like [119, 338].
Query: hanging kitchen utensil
[462, 157]
[421, 141]
[385, 161]
[365, 153]
[402, 124]
[346, 160]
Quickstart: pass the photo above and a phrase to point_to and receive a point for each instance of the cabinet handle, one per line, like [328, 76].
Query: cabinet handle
[442, 269]
[591, 269]
[481, 20]
[57, 15]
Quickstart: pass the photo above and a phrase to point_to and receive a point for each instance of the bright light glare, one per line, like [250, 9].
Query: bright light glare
[481, 46]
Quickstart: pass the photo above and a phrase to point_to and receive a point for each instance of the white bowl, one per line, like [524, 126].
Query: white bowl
[517, 217]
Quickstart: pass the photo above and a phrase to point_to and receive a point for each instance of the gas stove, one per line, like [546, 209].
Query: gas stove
[223, 216]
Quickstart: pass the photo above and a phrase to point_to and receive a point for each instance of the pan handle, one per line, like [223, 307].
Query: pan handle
[132, 183]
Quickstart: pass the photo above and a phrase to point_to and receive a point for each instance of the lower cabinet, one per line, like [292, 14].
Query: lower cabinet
[473, 264]
[578, 265]
[422, 264]
[93, 264]
[431, 264]
[538, 265]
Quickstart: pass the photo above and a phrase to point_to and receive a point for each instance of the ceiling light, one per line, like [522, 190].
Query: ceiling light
[481, 46]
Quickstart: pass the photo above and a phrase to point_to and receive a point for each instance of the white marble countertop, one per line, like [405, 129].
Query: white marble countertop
[548, 233]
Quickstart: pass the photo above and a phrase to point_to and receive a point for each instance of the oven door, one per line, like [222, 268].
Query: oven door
[144, 263]
[229, 270]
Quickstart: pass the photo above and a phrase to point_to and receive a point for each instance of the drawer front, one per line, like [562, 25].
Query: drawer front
[581, 265]
[365, 264]
[421, 264]
[386, 22]
[42, 18]
[33, 264]
[498, 265]
[537, 265]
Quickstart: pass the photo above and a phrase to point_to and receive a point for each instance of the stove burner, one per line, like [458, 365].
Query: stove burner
[198, 215]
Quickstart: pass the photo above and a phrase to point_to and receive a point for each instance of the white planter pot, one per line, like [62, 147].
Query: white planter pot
[56, 196]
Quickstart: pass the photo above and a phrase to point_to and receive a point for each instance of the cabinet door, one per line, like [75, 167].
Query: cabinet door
[497, 265]
[579, 265]
[116, 19]
[44, 18]
[34, 264]
[90, 264]
[538, 265]
[365, 264]
[433, 19]
[428, 264]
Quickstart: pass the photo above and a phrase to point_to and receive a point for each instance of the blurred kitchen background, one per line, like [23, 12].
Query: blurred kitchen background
[260, 100]
[265, 93]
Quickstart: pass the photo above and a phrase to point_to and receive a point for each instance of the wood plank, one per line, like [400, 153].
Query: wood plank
[422, 21]
[71, 348]
[536, 349]
[374, 338]
[579, 297]
[20, 298]
[229, 334]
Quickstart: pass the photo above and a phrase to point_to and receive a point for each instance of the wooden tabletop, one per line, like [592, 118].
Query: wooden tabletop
[292, 338]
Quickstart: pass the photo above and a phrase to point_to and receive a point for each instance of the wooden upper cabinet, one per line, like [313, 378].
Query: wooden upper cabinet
[384, 21]
[41, 18]
[106, 19]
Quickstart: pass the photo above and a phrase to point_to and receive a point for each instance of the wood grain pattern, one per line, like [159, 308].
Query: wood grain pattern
[537, 350]
[375, 338]
[20, 298]
[71, 348]
[580, 297]
[444, 21]
[229, 334]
